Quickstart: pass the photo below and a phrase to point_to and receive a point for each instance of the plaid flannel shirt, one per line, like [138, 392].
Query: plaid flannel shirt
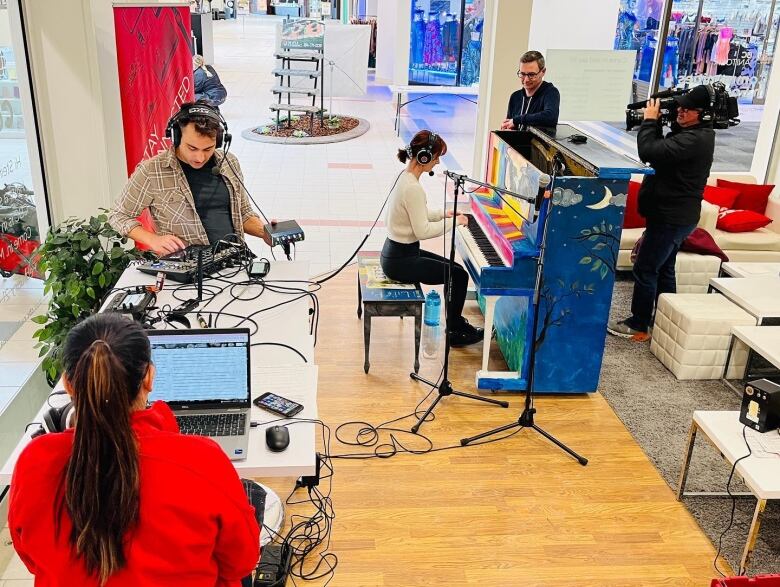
[160, 185]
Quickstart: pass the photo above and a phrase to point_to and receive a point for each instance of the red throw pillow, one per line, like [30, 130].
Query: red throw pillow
[721, 197]
[752, 196]
[632, 218]
[700, 241]
[741, 220]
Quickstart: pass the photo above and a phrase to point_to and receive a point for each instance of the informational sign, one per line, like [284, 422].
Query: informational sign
[155, 76]
[594, 85]
[303, 33]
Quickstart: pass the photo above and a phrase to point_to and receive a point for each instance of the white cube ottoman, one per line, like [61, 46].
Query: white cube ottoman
[693, 272]
[692, 334]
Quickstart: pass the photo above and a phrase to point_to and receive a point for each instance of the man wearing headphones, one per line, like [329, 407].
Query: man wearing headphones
[194, 190]
[670, 200]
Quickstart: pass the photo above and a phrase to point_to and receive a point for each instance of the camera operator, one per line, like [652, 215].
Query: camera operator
[670, 200]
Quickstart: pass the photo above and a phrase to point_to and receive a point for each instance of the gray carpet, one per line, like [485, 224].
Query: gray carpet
[657, 410]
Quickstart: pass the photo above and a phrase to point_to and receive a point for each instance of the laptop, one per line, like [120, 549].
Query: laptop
[203, 375]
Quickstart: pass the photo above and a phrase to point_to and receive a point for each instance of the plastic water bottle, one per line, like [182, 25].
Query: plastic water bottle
[431, 334]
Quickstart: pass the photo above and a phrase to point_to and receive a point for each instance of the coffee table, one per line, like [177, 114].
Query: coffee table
[760, 471]
[748, 269]
[759, 296]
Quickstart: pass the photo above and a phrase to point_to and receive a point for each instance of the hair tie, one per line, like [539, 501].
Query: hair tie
[97, 340]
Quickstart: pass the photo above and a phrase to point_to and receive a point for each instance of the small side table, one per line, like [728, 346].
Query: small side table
[380, 296]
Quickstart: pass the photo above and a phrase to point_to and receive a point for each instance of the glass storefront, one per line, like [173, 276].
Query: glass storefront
[729, 41]
[446, 42]
[23, 218]
[20, 233]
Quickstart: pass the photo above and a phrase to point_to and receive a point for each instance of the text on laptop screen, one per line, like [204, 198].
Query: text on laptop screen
[200, 367]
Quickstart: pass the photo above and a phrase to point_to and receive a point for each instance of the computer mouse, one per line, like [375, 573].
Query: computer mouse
[277, 438]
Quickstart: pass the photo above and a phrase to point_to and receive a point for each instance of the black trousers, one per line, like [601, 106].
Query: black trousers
[408, 264]
[654, 270]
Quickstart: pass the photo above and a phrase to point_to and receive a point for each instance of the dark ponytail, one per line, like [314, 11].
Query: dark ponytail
[106, 358]
[419, 142]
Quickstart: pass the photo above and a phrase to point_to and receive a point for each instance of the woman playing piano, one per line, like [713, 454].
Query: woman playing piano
[409, 220]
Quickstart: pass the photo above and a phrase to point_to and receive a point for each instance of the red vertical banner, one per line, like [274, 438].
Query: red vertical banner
[154, 59]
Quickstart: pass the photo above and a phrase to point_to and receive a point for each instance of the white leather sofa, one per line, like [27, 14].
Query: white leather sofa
[759, 245]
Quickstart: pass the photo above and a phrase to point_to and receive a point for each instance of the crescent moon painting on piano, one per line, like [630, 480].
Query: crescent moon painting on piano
[606, 201]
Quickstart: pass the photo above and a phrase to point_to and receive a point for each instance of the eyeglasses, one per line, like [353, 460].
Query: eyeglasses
[532, 75]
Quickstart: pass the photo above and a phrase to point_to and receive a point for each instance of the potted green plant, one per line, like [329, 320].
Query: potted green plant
[82, 261]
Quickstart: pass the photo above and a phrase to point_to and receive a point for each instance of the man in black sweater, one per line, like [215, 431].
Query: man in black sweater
[537, 104]
[670, 200]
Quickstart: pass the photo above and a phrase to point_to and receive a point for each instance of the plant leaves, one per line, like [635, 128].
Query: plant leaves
[585, 260]
[42, 319]
[604, 271]
[596, 264]
[91, 293]
[97, 268]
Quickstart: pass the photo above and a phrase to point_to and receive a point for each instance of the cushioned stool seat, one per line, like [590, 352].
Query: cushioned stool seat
[692, 333]
[693, 272]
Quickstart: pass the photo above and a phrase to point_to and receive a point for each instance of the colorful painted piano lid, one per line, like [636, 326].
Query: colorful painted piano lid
[593, 155]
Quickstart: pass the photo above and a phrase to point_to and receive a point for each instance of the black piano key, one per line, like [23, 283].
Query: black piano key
[483, 243]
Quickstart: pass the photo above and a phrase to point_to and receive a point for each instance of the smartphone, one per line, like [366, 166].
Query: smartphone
[278, 404]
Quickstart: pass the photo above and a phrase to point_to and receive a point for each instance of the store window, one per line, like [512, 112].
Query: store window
[729, 41]
[22, 207]
[446, 42]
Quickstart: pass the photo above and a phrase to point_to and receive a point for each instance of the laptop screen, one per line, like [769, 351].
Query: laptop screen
[199, 368]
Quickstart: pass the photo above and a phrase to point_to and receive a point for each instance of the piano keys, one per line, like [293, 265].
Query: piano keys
[501, 249]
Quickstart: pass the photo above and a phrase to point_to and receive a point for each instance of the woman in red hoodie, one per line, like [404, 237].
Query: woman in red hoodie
[123, 499]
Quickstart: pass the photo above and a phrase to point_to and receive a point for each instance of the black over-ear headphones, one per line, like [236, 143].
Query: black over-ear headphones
[173, 130]
[59, 419]
[424, 155]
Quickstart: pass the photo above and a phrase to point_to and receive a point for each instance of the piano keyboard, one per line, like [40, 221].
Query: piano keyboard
[479, 246]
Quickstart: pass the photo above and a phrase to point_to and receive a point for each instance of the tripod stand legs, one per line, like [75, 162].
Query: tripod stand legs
[445, 388]
[526, 420]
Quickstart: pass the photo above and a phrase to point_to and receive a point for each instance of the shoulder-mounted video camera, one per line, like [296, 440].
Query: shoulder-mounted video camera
[723, 111]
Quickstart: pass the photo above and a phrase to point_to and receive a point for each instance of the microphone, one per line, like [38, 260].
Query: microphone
[544, 180]
[216, 170]
[431, 173]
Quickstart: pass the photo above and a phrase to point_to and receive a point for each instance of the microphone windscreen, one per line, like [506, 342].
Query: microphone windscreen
[431, 173]
[215, 170]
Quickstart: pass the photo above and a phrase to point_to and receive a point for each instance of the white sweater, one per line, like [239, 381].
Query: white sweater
[408, 218]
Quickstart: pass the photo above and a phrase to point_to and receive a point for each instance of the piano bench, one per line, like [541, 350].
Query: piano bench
[380, 298]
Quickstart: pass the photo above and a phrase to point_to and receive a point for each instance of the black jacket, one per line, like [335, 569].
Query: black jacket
[682, 164]
[541, 109]
[209, 87]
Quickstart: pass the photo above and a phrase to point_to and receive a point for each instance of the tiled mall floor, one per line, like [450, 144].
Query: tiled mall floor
[335, 191]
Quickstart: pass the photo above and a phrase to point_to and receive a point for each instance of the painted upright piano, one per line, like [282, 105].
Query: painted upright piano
[501, 246]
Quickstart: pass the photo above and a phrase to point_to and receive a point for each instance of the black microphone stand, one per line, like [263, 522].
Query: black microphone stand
[526, 419]
[445, 387]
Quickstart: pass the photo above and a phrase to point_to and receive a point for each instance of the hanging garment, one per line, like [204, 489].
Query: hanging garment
[418, 40]
[624, 37]
[432, 51]
[720, 53]
[472, 52]
[450, 40]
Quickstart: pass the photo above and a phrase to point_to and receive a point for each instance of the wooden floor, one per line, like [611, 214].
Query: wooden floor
[518, 512]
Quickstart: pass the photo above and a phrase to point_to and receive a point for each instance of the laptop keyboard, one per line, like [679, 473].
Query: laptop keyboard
[213, 424]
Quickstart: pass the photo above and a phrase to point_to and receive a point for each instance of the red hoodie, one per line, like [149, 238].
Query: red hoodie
[195, 525]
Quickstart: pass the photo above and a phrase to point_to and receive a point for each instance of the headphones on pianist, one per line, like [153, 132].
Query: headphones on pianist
[425, 154]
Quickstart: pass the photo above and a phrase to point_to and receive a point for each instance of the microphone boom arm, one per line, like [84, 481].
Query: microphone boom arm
[464, 178]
